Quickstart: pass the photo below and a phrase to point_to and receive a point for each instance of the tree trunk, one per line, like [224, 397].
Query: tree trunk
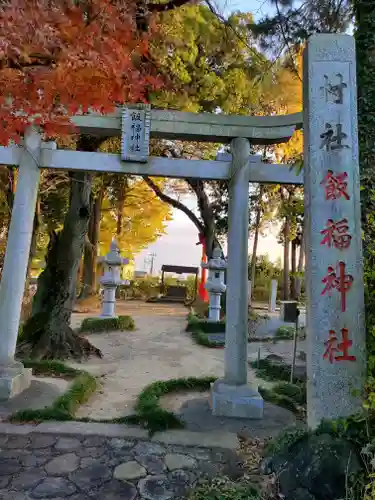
[255, 249]
[364, 12]
[34, 238]
[91, 247]
[301, 260]
[206, 214]
[293, 270]
[120, 205]
[33, 247]
[48, 333]
[286, 259]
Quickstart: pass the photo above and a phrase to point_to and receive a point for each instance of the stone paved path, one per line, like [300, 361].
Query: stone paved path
[81, 467]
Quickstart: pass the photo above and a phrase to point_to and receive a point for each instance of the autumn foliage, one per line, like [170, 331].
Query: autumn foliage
[60, 57]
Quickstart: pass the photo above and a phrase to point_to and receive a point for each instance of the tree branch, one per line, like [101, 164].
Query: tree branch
[207, 214]
[286, 41]
[175, 203]
[164, 7]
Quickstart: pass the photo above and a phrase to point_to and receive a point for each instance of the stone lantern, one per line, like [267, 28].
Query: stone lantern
[215, 283]
[111, 279]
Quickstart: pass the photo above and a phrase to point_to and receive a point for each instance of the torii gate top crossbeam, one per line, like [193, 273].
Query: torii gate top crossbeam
[201, 127]
[155, 167]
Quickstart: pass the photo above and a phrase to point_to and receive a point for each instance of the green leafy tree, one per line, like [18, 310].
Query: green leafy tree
[211, 67]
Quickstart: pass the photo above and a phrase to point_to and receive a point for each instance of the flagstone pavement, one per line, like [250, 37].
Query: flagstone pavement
[81, 467]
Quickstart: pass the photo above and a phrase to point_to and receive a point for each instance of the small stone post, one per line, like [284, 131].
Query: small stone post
[14, 378]
[336, 352]
[111, 279]
[215, 284]
[273, 295]
[232, 396]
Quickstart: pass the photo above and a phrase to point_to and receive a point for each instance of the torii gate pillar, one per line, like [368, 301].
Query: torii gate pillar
[14, 378]
[232, 396]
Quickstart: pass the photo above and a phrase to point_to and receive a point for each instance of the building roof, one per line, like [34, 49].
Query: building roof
[179, 269]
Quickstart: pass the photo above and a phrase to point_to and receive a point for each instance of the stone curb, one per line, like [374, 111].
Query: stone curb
[218, 440]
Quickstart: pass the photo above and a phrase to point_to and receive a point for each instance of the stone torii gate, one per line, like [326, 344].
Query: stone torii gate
[336, 350]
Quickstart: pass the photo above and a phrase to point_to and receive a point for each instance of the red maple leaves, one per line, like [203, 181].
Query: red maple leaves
[59, 57]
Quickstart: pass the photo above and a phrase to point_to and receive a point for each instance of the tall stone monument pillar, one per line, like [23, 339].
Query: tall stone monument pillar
[336, 358]
[232, 396]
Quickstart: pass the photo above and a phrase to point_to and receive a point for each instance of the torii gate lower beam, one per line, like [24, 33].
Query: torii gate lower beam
[156, 167]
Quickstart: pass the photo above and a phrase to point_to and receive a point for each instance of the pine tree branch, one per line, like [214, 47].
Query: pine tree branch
[282, 28]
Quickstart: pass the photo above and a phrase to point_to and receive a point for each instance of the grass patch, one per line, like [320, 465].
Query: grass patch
[284, 441]
[263, 339]
[202, 338]
[195, 323]
[296, 392]
[148, 411]
[282, 400]
[283, 393]
[200, 328]
[270, 371]
[97, 325]
[64, 407]
[221, 489]
[51, 368]
[278, 399]
[287, 333]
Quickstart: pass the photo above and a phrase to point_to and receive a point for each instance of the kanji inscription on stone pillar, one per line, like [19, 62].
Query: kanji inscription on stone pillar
[336, 358]
[135, 140]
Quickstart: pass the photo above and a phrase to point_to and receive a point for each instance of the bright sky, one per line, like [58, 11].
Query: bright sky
[178, 246]
[257, 7]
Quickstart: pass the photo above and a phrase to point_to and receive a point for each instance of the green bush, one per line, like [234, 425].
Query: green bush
[285, 332]
[96, 325]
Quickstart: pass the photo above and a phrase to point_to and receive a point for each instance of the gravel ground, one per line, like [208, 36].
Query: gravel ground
[160, 349]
